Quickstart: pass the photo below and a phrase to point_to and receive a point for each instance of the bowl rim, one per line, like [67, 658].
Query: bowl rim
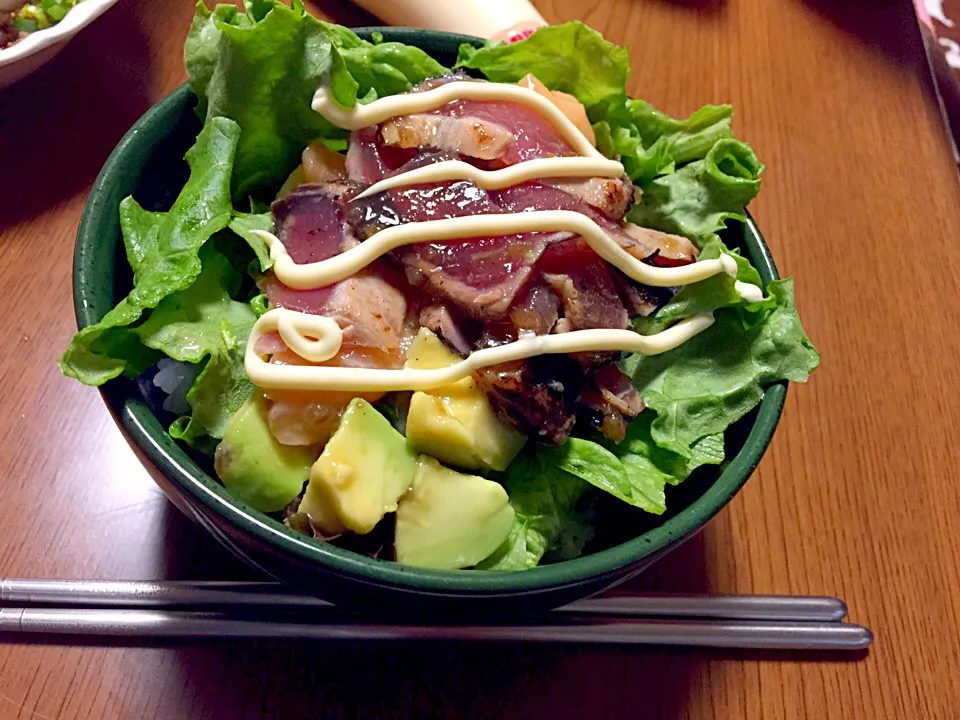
[145, 430]
[79, 16]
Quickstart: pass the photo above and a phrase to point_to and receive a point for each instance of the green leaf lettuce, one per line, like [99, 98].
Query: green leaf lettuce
[204, 323]
[545, 485]
[571, 57]
[163, 250]
[244, 225]
[262, 71]
[714, 379]
[543, 498]
[698, 199]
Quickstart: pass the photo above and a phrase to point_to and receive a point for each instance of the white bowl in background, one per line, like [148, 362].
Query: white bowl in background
[25, 56]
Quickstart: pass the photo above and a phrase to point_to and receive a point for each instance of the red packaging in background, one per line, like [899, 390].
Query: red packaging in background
[940, 27]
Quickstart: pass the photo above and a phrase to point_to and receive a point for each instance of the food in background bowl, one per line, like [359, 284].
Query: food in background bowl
[19, 19]
[457, 312]
[33, 33]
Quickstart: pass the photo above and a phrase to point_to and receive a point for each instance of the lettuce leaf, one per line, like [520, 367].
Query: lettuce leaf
[201, 49]
[651, 468]
[263, 76]
[649, 479]
[163, 249]
[545, 485]
[698, 199]
[522, 549]
[388, 68]
[641, 163]
[259, 304]
[574, 535]
[683, 140]
[205, 323]
[713, 380]
[571, 57]
[262, 68]
[635, 470]
[595, 464]
[543, 498]
[140, 229]
[243, 224]
[650, 143]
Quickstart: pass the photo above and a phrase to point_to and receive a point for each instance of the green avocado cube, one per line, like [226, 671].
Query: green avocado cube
[450, 520]
[364, 469]
[255, 467]
[455, 423]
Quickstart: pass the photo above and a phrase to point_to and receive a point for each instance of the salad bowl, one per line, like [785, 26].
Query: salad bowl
[147, 164]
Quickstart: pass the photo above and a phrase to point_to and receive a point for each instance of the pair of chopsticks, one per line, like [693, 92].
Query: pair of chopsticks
[266, 610]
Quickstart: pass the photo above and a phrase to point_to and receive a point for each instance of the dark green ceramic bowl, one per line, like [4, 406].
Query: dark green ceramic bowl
[147, 164]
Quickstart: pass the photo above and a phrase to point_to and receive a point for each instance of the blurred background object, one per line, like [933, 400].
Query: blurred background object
[508, 20]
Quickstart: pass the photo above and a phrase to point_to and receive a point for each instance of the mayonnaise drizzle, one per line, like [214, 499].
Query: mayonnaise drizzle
[312, 337]
[326, 272]
[750, 293]
[319, 339]
[579, 167]
[374, 113]
[306, 377]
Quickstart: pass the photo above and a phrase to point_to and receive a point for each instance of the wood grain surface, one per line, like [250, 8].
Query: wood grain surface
[859, 495]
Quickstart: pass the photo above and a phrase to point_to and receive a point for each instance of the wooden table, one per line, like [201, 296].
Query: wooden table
[859, 495]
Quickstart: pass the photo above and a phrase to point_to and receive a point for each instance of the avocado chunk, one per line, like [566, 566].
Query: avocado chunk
[455, 423]
[450, 520]
[255, 467]
[363, 470]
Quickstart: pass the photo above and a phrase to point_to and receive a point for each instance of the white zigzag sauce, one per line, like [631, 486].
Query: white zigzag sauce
[318, 339]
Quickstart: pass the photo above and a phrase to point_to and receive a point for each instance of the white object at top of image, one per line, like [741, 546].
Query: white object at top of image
[496, 19]
[25, 56]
